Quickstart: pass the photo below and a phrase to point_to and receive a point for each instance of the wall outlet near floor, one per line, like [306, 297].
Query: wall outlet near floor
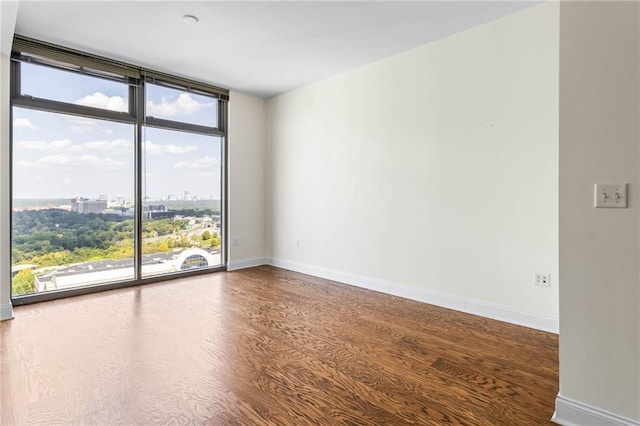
[235, 242]
[543, 280]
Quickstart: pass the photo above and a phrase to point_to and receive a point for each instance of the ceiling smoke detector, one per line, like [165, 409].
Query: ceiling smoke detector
[190, 19]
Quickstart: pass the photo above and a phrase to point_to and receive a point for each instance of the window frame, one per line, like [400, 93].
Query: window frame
[45, 54]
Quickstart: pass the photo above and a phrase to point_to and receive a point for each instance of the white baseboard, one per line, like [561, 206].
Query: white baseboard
[6, 312]
[476, 307]
[570, 412]
[234, 265]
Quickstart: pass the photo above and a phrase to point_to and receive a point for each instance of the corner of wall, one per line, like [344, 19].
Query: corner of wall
[247, 181]
[6, 311]
[268, 182]
[8, 17]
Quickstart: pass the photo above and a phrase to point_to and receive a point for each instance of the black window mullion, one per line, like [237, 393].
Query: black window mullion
[139, 111]
[161, 123]
[16, 79]
[224, 206]
[72, 109]
[223, 110]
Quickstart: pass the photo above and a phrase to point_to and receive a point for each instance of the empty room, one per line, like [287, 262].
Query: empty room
[320, 212]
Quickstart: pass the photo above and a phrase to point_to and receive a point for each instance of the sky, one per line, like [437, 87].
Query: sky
[63, 156]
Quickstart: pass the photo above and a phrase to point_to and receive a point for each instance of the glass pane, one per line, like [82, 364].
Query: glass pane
[178, 105]
[181, 202]
[50, 83]
[72, 218]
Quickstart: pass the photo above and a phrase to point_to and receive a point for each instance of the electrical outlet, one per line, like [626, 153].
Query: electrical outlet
[235, 242]
[297, 243]
[543, 280]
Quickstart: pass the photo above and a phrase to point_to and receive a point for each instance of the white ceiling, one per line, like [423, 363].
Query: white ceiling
[261, 48]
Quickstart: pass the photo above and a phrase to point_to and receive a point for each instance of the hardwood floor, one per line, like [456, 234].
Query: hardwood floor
[266, 346]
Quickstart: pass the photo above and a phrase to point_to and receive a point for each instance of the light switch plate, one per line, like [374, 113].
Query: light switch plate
[612, 195]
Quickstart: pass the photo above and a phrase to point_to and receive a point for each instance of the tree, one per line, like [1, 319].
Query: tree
[206, 235]
[23, 282]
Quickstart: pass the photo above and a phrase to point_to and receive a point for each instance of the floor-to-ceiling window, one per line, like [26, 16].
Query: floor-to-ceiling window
[182, 180]
[117, 173]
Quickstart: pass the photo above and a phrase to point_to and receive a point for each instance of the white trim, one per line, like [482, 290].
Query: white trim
[570, 412]
[246, 263]
[6, 312]
[472, 306]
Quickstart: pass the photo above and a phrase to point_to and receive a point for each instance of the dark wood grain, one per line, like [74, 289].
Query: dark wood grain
[265, 346]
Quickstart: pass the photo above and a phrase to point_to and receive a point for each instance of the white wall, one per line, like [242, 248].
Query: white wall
[599, 248]
[247, 186]
[8, 15]
[435, 170]
[5, 218]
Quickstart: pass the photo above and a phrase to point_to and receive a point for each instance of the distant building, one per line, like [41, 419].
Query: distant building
[84, 205]
[111, 270]
[112, 211]
[155, 211]
[119, 201]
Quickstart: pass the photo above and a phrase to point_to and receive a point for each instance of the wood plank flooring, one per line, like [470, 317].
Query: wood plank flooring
[265, 346]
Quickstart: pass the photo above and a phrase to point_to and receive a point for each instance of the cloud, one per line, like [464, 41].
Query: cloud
[68, 181]
[23, 123]
[60, 144]
[209, 174]
[154, 149]
[32, 144]
[81, 124]
[70, 160]
[24, 164]
[100, 100]
[82, 129]
[55, 160]
[169, 106]
[95, 161]
[81, 121]
[57, 145]
[114, 145]
[200, 163]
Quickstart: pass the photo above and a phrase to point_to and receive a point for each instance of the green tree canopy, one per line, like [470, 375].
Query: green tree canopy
[23, 282]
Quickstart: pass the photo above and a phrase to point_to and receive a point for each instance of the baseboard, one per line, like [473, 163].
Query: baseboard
[476, 307]
[570, 412]
[6, 312]
[234, 265]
